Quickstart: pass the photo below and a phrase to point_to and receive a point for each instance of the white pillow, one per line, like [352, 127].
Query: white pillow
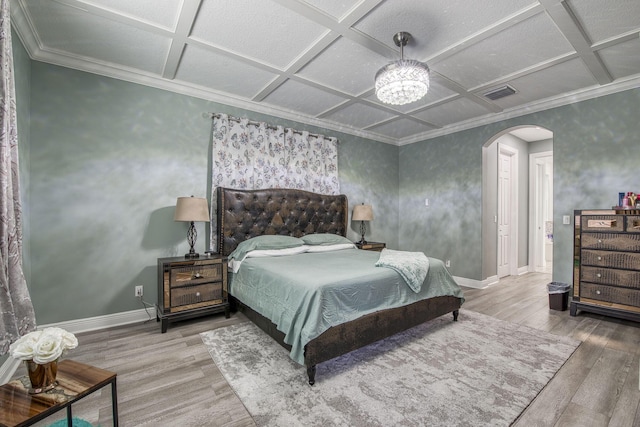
[328, 248]
[259, 253]
[234, 264]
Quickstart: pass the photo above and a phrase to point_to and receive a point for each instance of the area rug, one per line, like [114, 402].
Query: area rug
[479, 371]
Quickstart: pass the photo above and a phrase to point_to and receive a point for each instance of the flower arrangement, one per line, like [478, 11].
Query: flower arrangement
[43, 346]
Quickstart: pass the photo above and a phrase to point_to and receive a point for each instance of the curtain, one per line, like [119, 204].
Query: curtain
[16, 310]
[250, 155]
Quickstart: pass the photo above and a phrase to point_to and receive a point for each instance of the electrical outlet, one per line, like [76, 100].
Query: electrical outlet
[447, 263]
[138, 291]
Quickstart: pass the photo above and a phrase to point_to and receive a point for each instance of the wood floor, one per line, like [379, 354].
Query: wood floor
[169, 379]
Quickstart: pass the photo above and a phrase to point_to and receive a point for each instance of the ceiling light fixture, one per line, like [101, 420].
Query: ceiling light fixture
[403, 81]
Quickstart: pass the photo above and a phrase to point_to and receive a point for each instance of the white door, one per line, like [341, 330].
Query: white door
[507, 243]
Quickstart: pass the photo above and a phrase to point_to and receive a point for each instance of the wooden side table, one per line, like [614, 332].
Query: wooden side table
[372, 246]
[75, 380]
[191, 287]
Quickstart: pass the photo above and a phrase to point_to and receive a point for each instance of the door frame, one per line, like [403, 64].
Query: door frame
[513, 210]
[537, 261]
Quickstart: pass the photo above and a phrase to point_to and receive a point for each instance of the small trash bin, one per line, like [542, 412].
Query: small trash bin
[558, 295]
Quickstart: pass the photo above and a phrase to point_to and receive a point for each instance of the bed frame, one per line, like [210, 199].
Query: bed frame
[243, 214]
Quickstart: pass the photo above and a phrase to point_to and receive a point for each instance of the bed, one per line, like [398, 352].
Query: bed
[245, 214]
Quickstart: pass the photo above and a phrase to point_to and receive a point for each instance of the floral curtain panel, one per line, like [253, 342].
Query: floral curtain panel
[16, 310]
[249, 155]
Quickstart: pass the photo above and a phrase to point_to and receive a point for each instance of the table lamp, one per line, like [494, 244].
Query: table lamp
[362, 213]
[192, 209]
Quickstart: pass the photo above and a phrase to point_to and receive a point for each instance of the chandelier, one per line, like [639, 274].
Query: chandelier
[403, 81]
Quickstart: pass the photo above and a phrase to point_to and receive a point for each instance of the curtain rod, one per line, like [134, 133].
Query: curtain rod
[272, 127]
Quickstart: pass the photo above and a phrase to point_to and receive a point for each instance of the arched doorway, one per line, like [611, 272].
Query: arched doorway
[515, 203]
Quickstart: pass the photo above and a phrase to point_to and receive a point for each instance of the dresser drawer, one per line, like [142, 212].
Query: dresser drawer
[194, 274]
[611, 276]
[610, 294]
[602, 223]
[195, 296]
[633, 224]
[615, 242]
[622, 260]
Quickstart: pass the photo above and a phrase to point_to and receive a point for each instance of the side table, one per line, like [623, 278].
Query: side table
[371, 246]
[75, 380]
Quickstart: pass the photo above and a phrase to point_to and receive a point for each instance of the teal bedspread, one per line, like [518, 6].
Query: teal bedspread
[306, 294]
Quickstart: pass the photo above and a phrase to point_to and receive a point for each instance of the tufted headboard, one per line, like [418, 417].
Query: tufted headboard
[243, 214]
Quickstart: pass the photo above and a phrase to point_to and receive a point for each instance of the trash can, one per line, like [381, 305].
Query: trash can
[558, 295]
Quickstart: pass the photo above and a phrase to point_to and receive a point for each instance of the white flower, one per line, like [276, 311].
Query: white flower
[24, 347]
[43, 346]
[69, 340]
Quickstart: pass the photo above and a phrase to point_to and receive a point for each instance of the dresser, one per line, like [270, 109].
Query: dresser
[191, 287]
[606, 272]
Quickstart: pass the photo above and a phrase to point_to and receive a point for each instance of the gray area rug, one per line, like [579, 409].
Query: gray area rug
[479, 371]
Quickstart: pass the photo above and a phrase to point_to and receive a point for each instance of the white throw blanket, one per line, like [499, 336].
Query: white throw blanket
[412, 266]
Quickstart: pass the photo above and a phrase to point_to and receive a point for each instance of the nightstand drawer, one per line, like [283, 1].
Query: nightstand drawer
[194, 274]
[188, 297]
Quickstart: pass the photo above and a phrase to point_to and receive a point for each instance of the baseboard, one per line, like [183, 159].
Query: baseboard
[77, 326]
[102, 322]
[476, 284]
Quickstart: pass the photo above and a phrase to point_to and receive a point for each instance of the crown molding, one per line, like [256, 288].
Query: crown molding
[24, 29]
[620, 85]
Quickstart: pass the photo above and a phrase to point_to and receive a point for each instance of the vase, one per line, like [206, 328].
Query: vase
[42, 376]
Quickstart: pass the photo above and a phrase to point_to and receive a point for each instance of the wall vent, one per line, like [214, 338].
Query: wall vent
[500, 92]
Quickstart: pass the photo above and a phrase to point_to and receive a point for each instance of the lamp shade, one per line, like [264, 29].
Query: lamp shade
[362, 213]
[192, 209]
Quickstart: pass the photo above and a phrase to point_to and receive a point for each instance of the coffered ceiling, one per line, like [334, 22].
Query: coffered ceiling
[314, 61]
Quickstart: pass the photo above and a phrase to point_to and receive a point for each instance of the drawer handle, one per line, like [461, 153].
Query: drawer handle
[198, 294]
[599, 258]
[598, 292]
[598, 275]
[599, 240]
[196, 276]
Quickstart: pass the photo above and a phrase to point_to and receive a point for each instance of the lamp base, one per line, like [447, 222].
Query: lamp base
[192, 234]
[363, 230]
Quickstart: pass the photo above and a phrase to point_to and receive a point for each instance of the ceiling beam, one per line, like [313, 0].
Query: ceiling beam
[186, 18]
[570, 27]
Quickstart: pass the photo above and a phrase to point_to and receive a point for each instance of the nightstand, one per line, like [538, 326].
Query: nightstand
[372, 246]
[191, 287]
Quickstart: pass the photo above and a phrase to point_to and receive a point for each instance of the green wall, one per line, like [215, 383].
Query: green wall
[448, 172]
[595, 144]
[108, 160]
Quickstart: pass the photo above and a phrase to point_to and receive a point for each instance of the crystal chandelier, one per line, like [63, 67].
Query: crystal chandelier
[403, 81]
